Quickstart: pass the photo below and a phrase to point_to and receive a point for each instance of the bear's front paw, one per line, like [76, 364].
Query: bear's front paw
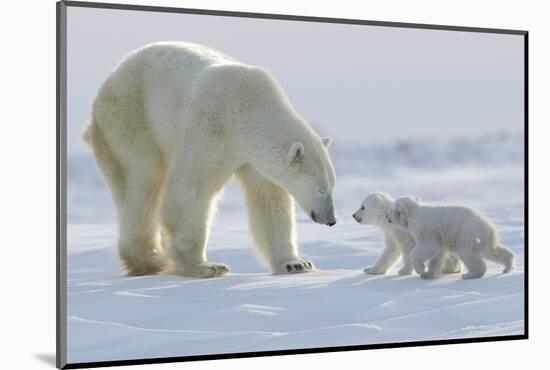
[295, 267]
[373, 270]
[204, 270]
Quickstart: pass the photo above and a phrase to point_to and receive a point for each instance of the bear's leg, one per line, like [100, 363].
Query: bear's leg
[135, 176]
[272, 223]
[389, 255]
[186, 220]
[473, 262]
[192, 187]
[421, 253]
[406, 250]
[139, 242]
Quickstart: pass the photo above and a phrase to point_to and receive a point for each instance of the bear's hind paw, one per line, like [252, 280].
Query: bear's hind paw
[204, 270]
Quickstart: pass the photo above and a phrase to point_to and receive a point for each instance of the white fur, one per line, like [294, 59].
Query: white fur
[397, 242]
[171, 125]
[450, 229]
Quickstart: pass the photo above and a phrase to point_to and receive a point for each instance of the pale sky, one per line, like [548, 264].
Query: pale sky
[356, 83]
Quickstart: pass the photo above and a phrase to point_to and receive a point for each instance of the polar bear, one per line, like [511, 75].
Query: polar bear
[171, 124]
[397, 242]
[449, 229]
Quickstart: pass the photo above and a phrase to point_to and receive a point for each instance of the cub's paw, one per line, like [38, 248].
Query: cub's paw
[452, 266]
[429, 276]
[510, 266]
[472, 275]
[295, 267]
[373, 270]
[204, 270]
[405, 270]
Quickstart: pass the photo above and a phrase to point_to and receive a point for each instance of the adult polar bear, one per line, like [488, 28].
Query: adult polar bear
[171, 125]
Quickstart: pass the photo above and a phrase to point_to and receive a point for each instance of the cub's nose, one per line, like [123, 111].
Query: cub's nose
[331, 223]
[356, 218]
[388, 219]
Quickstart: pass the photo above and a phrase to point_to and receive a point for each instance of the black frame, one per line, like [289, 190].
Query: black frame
[61, 195]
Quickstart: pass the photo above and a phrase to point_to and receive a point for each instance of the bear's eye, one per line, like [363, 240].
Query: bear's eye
[362, 208]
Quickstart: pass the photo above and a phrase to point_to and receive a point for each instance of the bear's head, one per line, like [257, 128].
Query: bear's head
[374, 209]
[271, 136]
[310, 179]
[402, 211]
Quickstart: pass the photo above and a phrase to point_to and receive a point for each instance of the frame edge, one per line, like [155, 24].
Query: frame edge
[61, 161]
[289, 17]
[61, 216]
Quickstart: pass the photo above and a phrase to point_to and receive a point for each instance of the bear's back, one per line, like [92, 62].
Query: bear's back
[159, 80]
[168, 66]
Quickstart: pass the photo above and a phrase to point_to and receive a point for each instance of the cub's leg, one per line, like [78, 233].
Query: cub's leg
[452, 264]
[406, 250]
[272, 223]
[502, 256]
[435, 266]
[424, 251]
[473, 262]
[389, 255]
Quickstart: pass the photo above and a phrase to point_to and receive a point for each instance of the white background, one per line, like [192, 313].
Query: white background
[366, 69]
[28, 181]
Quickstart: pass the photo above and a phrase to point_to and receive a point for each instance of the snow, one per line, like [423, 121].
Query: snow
[115, 317]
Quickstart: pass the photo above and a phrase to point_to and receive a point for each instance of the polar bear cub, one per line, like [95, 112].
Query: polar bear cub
[397, 242]
[449, 229]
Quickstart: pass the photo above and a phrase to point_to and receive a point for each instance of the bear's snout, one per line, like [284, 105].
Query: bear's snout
[330, 222]
[356, 218]
[323, 211]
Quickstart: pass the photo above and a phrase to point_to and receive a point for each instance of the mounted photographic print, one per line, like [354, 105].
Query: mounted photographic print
[237, 184]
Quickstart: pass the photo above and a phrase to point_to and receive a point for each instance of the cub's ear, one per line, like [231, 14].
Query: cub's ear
[295, 153]
[327, 141]
[399, 207]
[402, 209]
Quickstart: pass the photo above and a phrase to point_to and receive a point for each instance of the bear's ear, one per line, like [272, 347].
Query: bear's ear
[327, 141]
[295, 153]
[417, 199]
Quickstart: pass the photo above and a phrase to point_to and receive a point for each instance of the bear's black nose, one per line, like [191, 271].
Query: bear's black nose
[331, 223]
